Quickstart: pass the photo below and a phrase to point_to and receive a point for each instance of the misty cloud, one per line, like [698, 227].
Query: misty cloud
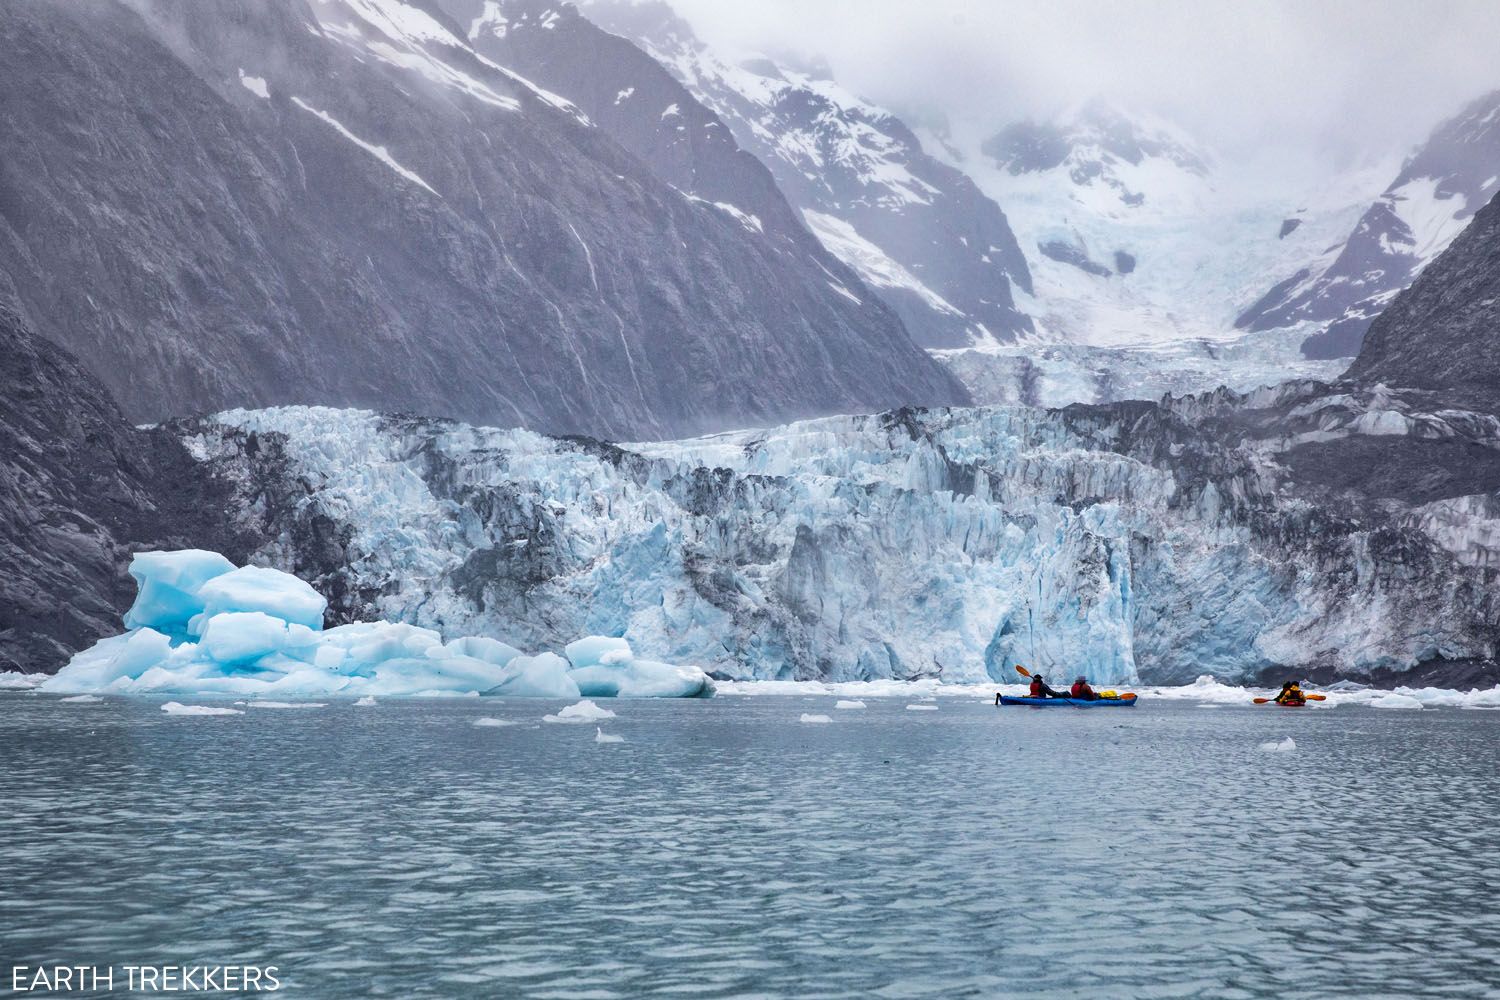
[1321, 85]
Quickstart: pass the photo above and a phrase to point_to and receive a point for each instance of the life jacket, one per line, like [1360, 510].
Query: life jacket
[1081, 689]
[1038, 689]
[1292, 696]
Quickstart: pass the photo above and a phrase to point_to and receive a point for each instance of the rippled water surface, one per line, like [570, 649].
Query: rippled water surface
[728, 849]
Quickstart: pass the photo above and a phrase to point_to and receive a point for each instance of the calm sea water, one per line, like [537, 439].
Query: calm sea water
[727, 849]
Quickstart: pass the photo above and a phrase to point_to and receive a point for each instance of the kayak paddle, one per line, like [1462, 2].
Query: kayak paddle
[1309, 697]
[1022, 671]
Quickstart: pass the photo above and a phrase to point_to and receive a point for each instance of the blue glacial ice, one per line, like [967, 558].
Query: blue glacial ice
[201, 625]
[945, 544]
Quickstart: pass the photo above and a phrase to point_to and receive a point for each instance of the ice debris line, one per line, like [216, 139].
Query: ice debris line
[201, 625]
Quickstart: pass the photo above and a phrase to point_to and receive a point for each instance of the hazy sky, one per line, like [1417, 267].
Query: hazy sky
[1328, 80]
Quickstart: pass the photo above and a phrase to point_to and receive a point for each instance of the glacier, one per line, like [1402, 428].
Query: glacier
[202, 625]
[1134, 543]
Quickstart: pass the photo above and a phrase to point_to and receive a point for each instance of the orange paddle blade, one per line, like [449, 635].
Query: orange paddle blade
[1022, 671]
[1262, 701]
[1316, 697]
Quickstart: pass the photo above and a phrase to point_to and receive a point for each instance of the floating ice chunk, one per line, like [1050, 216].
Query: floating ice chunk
[490, 722]
[167, 587]
[82, 699]
[1395, 701]
[921, 708]
[178, 708]
[842, 703]
[286, 704]
[10, 680]
[544, 676]
[257, 588]
[594, 649]
[810, 717]
[600, 736]
[631, 678]
[584, 711]
[257, 632]
[368, 701]
[1285, 746]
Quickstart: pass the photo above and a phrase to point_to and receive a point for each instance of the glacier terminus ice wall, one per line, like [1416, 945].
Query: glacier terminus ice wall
[1123, 542]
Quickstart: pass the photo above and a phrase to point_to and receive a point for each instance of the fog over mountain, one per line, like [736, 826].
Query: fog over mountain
[1282, 87]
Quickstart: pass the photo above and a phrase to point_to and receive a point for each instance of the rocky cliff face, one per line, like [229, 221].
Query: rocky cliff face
[919, 231]
[219, 204]
[1443, 333]
[80, 490]
[1432, 199]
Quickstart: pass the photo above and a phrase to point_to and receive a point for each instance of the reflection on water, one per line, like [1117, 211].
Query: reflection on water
[728, 849]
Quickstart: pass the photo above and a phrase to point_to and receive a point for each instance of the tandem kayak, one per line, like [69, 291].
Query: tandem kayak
[1074, 702]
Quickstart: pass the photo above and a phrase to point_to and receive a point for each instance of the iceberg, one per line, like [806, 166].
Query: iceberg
[600, 736]
[584, 711]
[544, 676]
[201, 625]
[606, 667]
[178, 708]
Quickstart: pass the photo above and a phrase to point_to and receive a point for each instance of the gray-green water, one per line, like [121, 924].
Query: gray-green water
[728, 849]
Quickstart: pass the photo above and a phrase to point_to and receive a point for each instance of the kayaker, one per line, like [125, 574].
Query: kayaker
[1291, 694]
[1039, 688]
[1082, 691]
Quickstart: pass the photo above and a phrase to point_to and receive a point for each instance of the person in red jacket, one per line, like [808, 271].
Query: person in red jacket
[1081, 690]
[1039, 688]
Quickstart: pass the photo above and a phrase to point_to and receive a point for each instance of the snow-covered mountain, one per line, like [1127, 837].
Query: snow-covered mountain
[1433, 197]
[221, 203]
[1137, 234]
[916, 229]
[1144, 250]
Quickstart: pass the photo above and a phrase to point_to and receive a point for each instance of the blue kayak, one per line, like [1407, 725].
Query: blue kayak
[1072, 702]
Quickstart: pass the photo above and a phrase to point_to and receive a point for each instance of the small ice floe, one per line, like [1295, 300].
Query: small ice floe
[178, 708]
[284, 704]
[1395, 701]
[11, 680]
[584, 711]
[600, 736]
[368, 701]
[491, 722]
[83, 699]
[921, 708]
[1285, 746]
[815, 717]
[842, 703]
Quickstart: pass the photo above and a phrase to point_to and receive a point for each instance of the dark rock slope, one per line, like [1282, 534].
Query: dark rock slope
[80, 490]
[220, 203]
[940, 252]
[1443, 333]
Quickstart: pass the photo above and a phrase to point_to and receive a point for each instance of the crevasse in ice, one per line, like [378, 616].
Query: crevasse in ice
[202, 625]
